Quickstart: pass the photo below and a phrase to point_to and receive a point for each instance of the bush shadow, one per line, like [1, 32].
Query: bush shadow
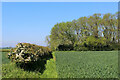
[35, 66]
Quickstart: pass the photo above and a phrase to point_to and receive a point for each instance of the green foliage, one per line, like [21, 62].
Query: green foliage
[80, 48]
[87, 64]
[65, 47]
[95, 44]
[25, 52]
[30, 57]
[96, 31]
[11, 70]
[61, 34]
[5, 60]
[50, 71]
[4, 50]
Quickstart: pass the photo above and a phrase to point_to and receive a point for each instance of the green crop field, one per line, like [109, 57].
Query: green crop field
[87, 64]
[69, 64]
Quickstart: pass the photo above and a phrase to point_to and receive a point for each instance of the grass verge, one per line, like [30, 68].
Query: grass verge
[10, 70]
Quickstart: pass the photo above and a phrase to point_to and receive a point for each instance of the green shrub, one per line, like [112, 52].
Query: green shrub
[65, 47]
[25, 52]
[94, 44]
[80, 48]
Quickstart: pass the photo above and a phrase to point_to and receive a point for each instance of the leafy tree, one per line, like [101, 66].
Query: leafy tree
[96, 32]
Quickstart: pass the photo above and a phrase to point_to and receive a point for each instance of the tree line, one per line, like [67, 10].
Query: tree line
[96, 32]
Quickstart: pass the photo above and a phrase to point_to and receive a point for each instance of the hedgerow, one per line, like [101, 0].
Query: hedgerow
[30, 57]
[25, 52]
